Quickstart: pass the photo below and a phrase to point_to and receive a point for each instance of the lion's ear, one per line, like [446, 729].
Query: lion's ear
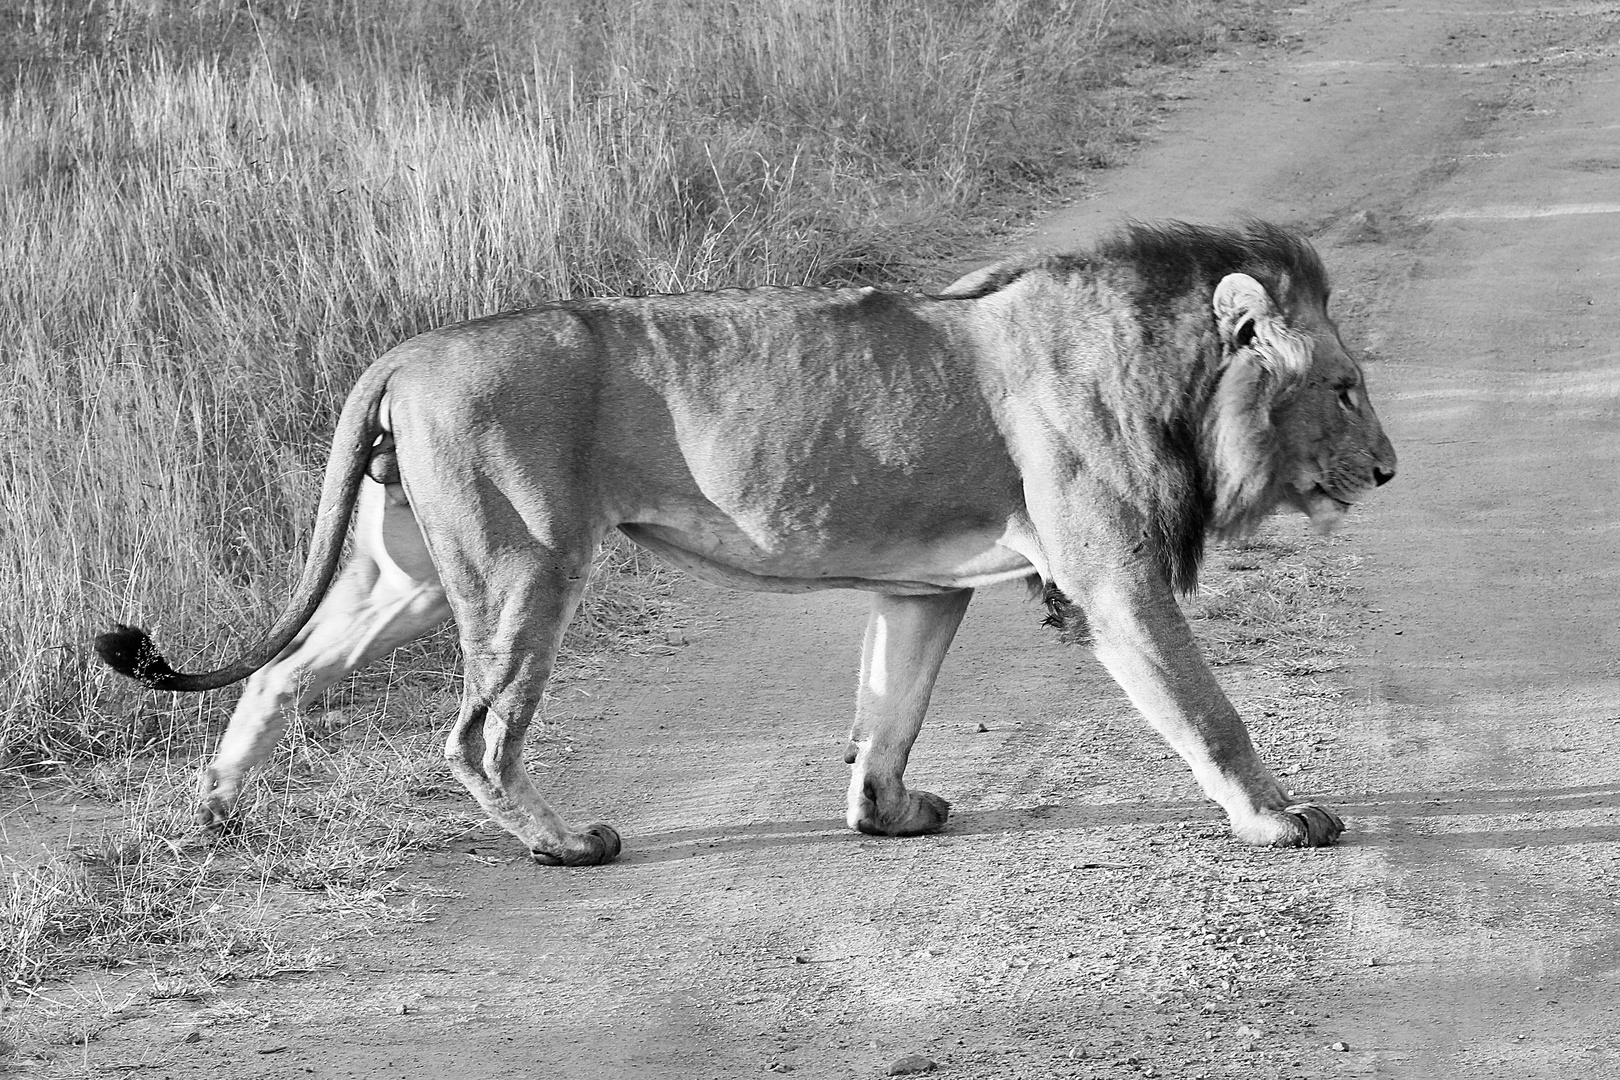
[976, 283]
[1247, 318]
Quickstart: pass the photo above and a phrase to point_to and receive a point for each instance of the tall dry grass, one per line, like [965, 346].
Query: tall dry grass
[214, 213]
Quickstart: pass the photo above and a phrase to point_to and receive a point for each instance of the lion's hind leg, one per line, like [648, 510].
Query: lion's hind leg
[906, 641]
[511, 628]
[388, 594]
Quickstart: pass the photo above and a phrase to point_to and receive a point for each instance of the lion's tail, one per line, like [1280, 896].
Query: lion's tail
[129, 650]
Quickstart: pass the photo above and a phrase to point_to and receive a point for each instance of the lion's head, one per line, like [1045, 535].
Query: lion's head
[1290, 421]
[1254, 401]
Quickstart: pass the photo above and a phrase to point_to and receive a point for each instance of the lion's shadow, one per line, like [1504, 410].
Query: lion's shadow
[1376, 820]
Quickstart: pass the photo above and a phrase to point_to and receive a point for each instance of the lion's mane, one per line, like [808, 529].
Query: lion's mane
[1200, 454]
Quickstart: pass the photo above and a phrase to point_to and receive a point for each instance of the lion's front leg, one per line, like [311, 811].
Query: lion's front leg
[906, 640]
[1144, 642]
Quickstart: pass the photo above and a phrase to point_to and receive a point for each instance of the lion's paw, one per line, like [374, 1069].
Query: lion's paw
[213, 815]
[597, 843]
[917, 813]
[1299, 825]
[216, 801]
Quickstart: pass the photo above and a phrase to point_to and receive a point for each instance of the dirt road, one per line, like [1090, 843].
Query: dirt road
[1086, 916]
[1461, 162]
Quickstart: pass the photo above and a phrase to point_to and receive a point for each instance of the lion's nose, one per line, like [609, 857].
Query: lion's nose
[1382, 476]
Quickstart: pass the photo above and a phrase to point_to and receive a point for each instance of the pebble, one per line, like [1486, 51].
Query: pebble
[1340, 1046]
[911, 1064]
[1363, 228]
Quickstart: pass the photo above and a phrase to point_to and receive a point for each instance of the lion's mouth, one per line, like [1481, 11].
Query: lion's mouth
[1342, 504]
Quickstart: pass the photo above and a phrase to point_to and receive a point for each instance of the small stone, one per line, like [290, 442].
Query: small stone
[1363, 228]
[191, 1036]
[912, 1064]
[982, 729]
[779, 1067]
[1340, 1046]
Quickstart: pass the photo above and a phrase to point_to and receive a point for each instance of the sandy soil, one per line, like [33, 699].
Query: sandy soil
[1086, 915]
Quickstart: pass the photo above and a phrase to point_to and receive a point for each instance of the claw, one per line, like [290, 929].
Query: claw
[1321, 825]
[1292, 826]
[609, 837]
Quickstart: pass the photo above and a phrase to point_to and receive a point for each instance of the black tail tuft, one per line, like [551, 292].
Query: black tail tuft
[129, 651]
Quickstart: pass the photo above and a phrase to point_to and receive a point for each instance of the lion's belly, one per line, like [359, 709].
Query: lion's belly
[951, 565]
[726, 555]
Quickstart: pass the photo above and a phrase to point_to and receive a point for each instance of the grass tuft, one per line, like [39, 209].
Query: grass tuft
[114, 901]
[344, 806]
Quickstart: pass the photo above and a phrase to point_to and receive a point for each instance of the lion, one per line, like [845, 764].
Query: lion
[1082, 422]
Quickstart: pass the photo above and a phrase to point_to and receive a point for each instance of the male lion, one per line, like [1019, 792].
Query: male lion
[1080, 421]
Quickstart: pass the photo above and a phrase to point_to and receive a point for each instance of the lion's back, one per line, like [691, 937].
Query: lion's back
[791, 405]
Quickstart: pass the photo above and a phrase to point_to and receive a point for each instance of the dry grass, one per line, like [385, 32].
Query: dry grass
[339, 809]
[213, 214]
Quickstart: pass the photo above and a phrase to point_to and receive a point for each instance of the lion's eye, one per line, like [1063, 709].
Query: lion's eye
[1347, 399]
